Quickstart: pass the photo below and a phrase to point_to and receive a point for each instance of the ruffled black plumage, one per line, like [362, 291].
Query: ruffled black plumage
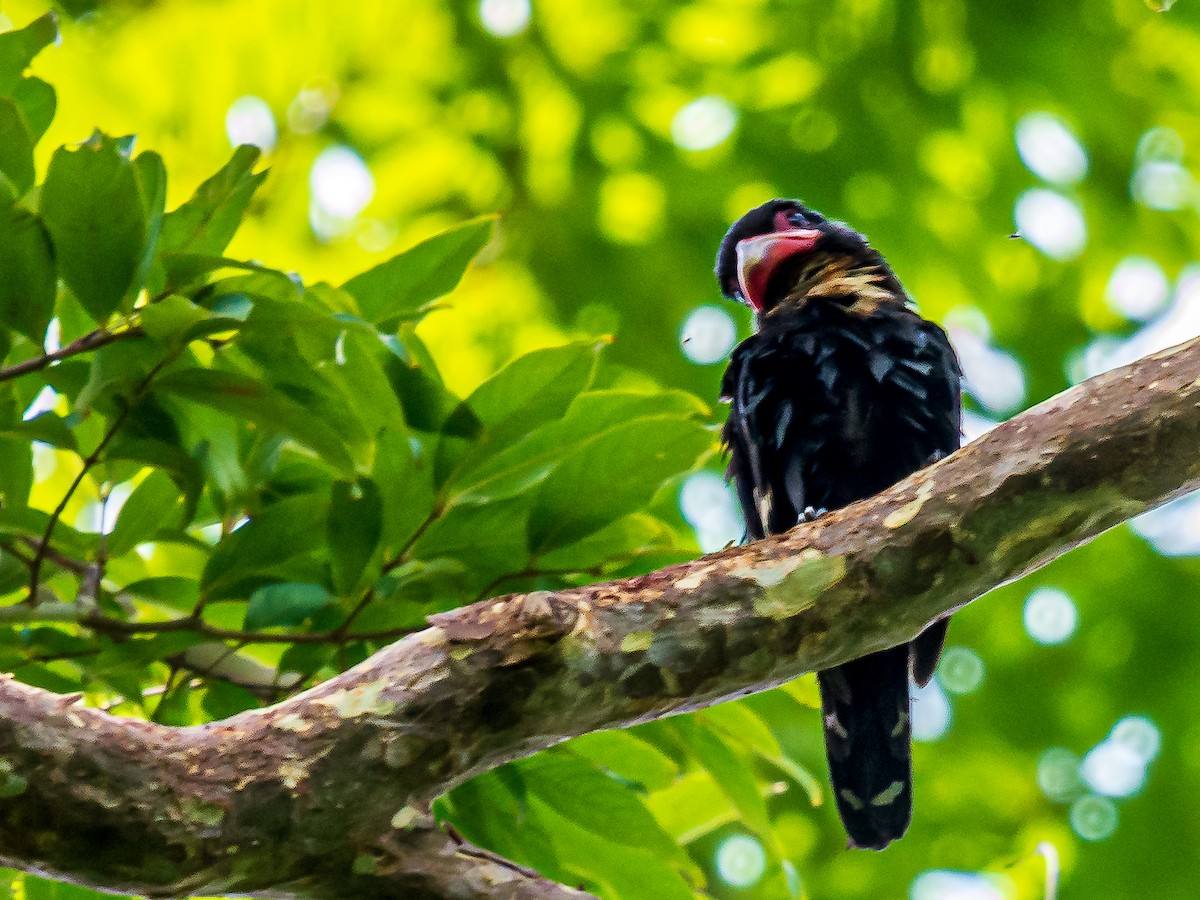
[843, 391]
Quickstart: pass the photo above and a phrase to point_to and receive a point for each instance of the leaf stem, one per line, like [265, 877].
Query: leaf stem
[93, 340]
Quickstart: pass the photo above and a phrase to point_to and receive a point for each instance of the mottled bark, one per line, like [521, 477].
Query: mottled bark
[326, 794]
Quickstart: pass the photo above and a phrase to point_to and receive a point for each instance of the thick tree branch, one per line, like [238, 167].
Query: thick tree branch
[294, 799]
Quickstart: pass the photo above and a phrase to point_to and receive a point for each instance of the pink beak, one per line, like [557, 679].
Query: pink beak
[759, 257]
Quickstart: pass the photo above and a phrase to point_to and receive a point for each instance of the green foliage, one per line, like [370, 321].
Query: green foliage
[255, 458]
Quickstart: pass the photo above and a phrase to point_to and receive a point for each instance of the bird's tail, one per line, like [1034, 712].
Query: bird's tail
[865, 705]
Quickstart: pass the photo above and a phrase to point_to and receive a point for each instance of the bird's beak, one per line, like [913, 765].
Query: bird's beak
[759, 257]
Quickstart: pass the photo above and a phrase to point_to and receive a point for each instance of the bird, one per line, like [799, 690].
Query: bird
[842, 390]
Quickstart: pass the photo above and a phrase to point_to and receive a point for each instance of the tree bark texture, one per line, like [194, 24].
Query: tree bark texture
[327, 794]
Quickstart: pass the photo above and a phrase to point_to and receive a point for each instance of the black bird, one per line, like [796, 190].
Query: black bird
[842, 391]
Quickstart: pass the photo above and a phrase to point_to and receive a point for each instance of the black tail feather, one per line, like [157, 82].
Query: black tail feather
[865, 704]
[926, 649]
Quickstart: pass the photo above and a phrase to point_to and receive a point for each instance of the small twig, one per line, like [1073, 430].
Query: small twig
[16, 553]
[93, 340]
[35, 567]
[110, 626]
[60, 559]
[402, 556]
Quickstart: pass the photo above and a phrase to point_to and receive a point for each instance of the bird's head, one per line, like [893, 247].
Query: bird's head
[765, 253]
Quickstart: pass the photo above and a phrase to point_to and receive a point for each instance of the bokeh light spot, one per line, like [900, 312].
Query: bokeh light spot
[945, 885]
[1138, 288]
[1052, 223]
[505, 18]
[1113, 769]
[1139, 734]
[45, 401]
[704, 123]
[741, 860]
[1050, 150]
[341, 182]
[632, 207]
[1050, 615]
[309, 109]
[930, 712]
[1180, 322]
[249, 120]
[1162, 185]
[1058, 774]
[342, 186]
[1094, 818]
[1159, 145]
[709, 506]
[960, 670]
[1174, 528]
[992, 376]
[707, 335]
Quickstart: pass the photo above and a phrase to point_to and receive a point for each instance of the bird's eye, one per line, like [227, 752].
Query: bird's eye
[797, 218]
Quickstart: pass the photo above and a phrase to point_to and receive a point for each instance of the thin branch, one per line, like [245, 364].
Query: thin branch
[108, 625]
[326, 794]
[93, 340]
[35, 567]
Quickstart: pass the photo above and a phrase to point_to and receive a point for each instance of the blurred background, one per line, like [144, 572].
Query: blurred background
[1026, 167]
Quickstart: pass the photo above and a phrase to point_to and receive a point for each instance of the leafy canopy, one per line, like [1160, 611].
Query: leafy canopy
[221, 484]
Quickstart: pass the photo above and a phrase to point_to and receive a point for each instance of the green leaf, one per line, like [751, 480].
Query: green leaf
[734, 776]
[247, 399]
[48, 428]
[28, 284]
[280, 532]
[152, 186]
[92, 206]
[359, 375]
[490, 813]
[208, 221]
[153, 506]
[531, 459]
[20, 46]
[284, 604]
[399, 287]
[691, 807]
[171, 458]
[16, 146]
[612, 475]
[489, 538]
[605, 864]
[171, 591]
[355, 525]
[740, 724]
[619, 542]
[38, 101]
[629, 757]
[405, 481]
[536, 387]
[32, 523]
[428, 405]
[16, 471]
[170, 320]
[576, 790]
[531, 390]
[175, 706]
[114, 369]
